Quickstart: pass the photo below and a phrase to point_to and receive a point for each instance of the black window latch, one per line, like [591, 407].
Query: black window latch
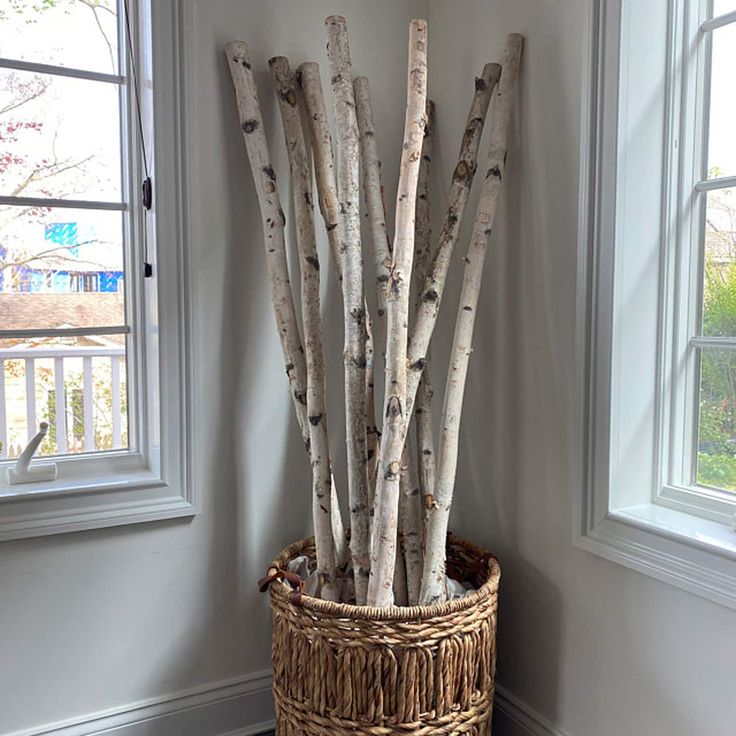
[147, 193]
[147, 190]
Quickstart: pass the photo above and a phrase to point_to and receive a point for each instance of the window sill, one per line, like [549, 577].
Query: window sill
[81, 474]
[91, 501]
[703, 534]
[694, 554]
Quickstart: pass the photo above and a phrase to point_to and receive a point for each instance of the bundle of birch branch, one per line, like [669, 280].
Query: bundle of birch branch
[400, 488]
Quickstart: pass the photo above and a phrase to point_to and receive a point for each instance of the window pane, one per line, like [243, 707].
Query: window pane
[60, 268]
[78, 385]
[719, 287]
[720, 7]
[59, 137]
[81, 34]
[721, 140]
[717, 424]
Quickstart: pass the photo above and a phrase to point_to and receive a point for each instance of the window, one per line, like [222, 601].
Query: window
[657, 310]
[715, 190]
[701, 438]
[85, 335]
[59, 147]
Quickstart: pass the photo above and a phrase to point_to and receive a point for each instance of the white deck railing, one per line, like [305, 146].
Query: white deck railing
[63, 409]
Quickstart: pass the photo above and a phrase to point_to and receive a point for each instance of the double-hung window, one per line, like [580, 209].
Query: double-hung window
[657, 308]
[701, 476]
[93, 264]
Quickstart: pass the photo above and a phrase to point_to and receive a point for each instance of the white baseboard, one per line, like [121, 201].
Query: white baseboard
[238, 707]
[244, 707]
[513, 717]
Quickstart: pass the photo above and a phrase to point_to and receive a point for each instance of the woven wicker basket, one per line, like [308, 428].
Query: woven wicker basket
[342, 669]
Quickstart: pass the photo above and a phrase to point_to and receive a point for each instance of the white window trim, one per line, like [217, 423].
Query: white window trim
[694, 551]
[678, 415]
[155, 483]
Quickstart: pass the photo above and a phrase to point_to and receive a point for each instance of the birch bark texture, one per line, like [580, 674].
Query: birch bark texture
[273, 221]
[412, 526]
[348, 188]
[308, 77]
[381, 248]
[422, 258]
[373, 193]
[430, 293]
[423, 222]
[386, 505]
[284, 84]
[433, 582]
[372, 432]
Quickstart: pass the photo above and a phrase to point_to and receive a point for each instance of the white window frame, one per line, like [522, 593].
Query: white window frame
[681, 337]
[154, 481]
[637, 361]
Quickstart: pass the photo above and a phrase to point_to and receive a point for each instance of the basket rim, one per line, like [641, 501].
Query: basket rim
[397, 614]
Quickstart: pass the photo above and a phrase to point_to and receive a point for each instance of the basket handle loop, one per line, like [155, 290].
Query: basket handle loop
[276, 573]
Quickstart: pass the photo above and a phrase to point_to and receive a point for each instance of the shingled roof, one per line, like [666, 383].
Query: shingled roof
[51, 311]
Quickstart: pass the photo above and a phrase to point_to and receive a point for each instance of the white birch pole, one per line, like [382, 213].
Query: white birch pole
[422, 259]
[311, 86]
[426, 461]
[273, 220]
[308, 77]
[272, 216]
[348, 187]
[373, 193]
[430, 294]
[381, 248]
[301, 190]
[412, 525]
[310, 83]
[423, 223]
[386, 506]
[433, 582]
[373, 433]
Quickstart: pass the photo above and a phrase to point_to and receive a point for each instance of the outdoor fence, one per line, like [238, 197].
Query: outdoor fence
[88, 383]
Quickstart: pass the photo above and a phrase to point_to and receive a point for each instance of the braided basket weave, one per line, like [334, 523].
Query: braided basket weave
[426, 670]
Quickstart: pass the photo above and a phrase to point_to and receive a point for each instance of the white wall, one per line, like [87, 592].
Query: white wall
[593, 647]
[98, 620]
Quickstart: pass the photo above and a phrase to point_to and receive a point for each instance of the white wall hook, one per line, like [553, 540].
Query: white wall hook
[23, 472]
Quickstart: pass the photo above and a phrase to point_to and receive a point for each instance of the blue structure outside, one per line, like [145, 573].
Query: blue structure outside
[26, 279]
[63, 233]
[35, 281]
